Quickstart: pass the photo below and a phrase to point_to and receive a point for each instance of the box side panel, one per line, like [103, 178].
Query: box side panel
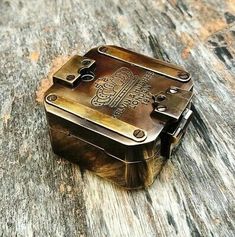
[129, 174]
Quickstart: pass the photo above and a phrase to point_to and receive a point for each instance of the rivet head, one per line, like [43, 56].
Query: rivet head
[138, 133]
[161, 108]
[52, 97]
[183, 75]
[173, 90]
[70, 77]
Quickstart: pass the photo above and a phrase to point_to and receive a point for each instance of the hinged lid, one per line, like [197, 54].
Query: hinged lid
[114, 92]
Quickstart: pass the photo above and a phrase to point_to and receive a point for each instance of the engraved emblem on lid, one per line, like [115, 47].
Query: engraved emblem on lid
[122, 90]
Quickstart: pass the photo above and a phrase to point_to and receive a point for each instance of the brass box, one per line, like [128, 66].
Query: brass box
[118, 113]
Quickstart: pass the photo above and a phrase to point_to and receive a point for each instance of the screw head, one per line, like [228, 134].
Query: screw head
[103, 49]
[161, 108]
[86, 62]
[138, 133]
[52, 97]
[173, 90]
[70, 77]
[183, 75]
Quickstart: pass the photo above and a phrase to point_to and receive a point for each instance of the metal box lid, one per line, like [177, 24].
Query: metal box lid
[122, 95]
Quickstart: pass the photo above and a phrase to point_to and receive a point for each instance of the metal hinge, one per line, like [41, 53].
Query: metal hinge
[75, 70]
[172, 102]
[96, 117]
[172, 137]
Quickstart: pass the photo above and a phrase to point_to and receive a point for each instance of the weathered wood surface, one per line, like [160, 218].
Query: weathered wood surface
[43, 195]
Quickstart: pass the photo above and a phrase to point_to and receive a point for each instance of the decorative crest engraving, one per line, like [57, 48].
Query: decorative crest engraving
[122, 90]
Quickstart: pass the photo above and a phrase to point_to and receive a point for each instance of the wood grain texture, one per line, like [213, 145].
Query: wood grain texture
[43, 195]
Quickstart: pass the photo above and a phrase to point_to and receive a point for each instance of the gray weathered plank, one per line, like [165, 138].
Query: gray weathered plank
[43, 195]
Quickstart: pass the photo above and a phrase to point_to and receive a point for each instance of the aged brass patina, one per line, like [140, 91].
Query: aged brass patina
[118, 113]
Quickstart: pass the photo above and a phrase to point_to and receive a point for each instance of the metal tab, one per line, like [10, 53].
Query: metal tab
[155, 65]
[171, 138]
[75, 70]
[172, 102]
[98, 118]
[177, 131]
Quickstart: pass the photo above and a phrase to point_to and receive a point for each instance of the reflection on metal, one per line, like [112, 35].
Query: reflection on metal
[97, 117]
[174, 103]
[118, 113]
[152, 64]
[71, 72]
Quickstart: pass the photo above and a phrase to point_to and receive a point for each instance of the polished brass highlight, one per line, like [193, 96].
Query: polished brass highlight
[152, 64]
[118, 113]
[96, 117]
